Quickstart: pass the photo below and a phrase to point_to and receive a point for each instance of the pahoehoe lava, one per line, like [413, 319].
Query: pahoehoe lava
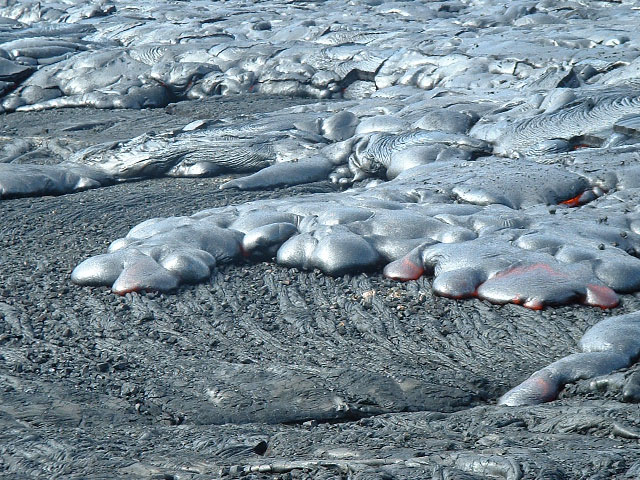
[362, 174]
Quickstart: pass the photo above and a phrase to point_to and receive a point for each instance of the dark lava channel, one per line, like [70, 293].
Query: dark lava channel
[268, 372]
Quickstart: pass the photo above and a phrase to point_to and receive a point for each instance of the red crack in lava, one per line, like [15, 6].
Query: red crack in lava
[403, 270]
[601, 296]
[539, 387]
[533, 304]
[144, 274]
[596, 295]
[592, 294]
[572, 202]
[580, 146]
[536, 268]
[546, 390]
[123, 292]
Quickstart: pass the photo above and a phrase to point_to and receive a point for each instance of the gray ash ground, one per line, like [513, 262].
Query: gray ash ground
[264, 371]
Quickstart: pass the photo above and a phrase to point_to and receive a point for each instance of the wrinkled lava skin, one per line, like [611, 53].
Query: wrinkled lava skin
[504, 166]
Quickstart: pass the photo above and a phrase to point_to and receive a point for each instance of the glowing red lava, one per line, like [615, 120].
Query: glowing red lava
[403, 269]
[601, 296]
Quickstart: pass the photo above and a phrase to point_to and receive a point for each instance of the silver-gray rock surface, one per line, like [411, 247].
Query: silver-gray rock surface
[492, 148]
